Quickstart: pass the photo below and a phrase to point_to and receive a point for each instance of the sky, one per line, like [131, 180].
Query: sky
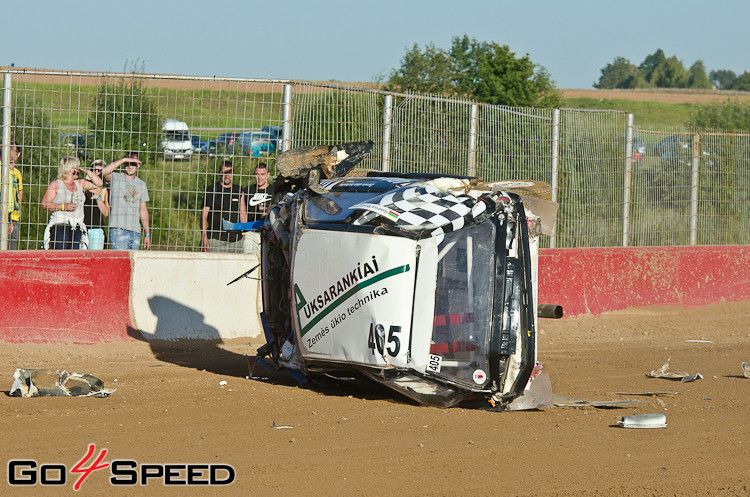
[361, 41]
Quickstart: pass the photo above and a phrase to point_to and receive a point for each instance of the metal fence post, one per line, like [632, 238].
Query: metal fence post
[286, 130]
[626, 184]
[6, 162]
[694, 190]
[387, 123]
[473, 140]
[555, 166]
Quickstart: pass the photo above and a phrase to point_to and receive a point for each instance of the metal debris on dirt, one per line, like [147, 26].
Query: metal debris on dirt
[563, 401]
[58, 383]
[663, 372]
[657, 420]
[647, 394]
[746, 369]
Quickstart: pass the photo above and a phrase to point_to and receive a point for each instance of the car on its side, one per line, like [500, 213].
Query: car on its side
[421, 282]
[254, 144]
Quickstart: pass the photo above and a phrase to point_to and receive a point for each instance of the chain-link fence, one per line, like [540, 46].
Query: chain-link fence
[616, 184]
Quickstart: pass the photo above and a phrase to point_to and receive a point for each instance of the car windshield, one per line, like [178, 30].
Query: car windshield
[334, 207]
[177, 136]
[463, 305]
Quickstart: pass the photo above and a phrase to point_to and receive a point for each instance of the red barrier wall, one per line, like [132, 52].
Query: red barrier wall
[65, 296]
[594, 280]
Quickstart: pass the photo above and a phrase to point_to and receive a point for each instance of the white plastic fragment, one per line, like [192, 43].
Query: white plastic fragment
[657, 420]
[222, 382]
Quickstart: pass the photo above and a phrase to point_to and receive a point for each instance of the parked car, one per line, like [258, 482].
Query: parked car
[208, 148]
[254, 144]
[360, 276]
[639, 147]
[671, 147]
[197, 143]
[176, 143]
[277, 133]
[227, 138]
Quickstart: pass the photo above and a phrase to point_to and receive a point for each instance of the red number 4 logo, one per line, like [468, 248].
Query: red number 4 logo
[85, 472]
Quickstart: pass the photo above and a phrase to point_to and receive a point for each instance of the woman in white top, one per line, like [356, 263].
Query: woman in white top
[64, 198]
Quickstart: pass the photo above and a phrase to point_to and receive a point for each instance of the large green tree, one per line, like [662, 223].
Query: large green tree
[742, 83]
[483, 71]
[723, 79]
[650, 63]
[670, 74]
[620, 73]
[697, 77]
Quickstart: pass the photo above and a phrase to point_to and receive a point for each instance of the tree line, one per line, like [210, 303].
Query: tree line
[659, 71]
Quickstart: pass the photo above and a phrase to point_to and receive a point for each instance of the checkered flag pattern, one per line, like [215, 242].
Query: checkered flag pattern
[426, 208]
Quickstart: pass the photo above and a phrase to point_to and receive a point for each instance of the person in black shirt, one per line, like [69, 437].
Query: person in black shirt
[223, 200]
[258, 198]
[96, 204]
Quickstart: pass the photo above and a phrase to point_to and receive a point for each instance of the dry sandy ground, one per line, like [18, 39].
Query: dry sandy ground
[169, 407]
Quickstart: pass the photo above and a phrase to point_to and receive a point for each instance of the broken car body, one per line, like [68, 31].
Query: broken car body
[424, 283]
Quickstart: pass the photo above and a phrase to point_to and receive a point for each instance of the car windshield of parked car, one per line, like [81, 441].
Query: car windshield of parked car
[177, 136]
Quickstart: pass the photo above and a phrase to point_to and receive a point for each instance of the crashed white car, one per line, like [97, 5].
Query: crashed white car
[424, 283]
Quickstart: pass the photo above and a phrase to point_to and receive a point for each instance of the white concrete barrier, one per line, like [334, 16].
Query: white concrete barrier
[176, 295]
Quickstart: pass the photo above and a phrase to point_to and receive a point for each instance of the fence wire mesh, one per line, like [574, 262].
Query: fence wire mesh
[685, 186]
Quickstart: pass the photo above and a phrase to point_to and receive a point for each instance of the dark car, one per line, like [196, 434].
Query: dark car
[227, 138]
[639, 148]
[197, 143]
[208, 148]
[670, 147]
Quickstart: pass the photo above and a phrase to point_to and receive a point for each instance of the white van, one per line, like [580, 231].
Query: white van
[176, 142]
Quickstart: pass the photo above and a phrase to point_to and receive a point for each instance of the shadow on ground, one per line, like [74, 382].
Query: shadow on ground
[203, 353]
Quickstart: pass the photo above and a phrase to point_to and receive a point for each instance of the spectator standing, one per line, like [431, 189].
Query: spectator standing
[96, 204]
[128, 209]
[64, 199]
[258, 198]
[15, 197]
[223, 200]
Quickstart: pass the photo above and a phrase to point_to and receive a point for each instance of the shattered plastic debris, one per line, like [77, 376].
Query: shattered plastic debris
[663, 372]
[644, 421]
[54, 382]
[746, 369]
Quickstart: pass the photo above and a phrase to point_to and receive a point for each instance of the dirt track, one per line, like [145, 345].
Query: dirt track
[170, 408]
